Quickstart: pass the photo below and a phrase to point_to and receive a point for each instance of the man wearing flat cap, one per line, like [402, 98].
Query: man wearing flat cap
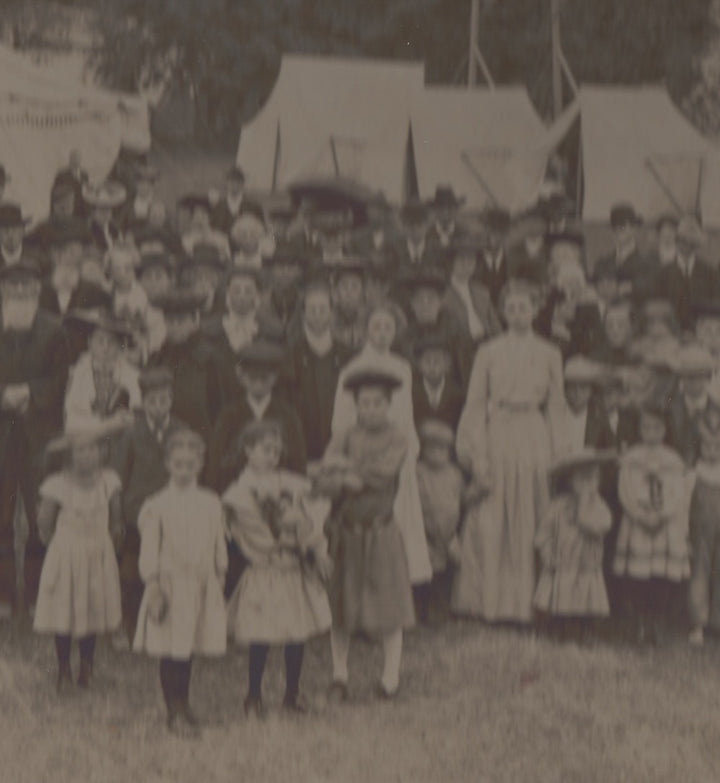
[690, 280]
[12, 233]
[635, 273]
[33, 374]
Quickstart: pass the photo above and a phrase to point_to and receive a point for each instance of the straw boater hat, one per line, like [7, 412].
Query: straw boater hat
[84, 432]
[106, 195]
[585, 457]
[371, 378]
[580, 369]
[434, 431]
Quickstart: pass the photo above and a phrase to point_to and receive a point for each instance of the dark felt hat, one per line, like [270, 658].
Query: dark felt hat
[11, 215]
[667, 219]
[445, 198]
[432, 341]
[624, 214]
[422, 278]
[413, 212]
[193, 201]
[61, 189]
[179, 301]
[152, 378]
[100, 318]
[349, 265]
[497, 220]
[235, 173]
[204, 255]
[371, 378]
[287, 254]
[263, 354]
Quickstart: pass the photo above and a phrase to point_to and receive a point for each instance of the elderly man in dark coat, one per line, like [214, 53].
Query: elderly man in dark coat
[33, 374]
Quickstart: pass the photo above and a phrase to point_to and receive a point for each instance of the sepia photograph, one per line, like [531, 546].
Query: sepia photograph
[360, 391]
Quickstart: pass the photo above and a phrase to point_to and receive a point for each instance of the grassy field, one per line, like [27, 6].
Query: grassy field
[476, 704]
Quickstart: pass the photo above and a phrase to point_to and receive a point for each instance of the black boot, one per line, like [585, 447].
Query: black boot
[64, 679]
[86, 674]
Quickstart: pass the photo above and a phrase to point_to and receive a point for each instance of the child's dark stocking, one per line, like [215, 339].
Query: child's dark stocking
[256, 667]
[62, 650]
[87, 655]
[169, 687]
[293, 666]
[421, 594]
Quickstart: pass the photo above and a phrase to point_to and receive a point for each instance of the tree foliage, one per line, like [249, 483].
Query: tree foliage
[228, 51]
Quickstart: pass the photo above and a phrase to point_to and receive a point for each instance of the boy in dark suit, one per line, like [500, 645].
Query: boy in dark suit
[139, 462]
[434, 394]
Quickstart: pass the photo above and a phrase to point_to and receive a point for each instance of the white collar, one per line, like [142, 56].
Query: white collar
[11, 260]
[320, 345]
[259, 407]
[234, 203]
[686, 264]
[434, 395]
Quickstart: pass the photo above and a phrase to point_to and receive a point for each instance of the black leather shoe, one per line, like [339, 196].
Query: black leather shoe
[86, 674]
[64, 680]
[297, 704]
[254, 707]
[338, 692]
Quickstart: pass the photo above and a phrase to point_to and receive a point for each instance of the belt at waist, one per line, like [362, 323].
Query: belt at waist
[518, 407]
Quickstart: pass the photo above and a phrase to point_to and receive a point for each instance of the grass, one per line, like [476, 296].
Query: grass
[476, 704]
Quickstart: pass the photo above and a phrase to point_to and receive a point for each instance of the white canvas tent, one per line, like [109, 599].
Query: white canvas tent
[487, 144]
[636, 146]
[329, 116]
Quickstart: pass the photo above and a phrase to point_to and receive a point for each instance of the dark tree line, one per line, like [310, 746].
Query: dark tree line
[226, 53]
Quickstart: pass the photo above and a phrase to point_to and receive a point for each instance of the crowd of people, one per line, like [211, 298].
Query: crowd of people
[265, 423]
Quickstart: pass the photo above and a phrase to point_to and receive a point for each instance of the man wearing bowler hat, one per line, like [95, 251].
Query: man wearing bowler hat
[635, 274]
[103, 201]
[33, 375]
[445, 207]
[689, 280]
[12, 234]
[413, 249]
[234, 203]
[492, 270]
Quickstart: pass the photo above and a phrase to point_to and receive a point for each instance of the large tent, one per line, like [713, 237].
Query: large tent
[633, 144]
[330, 116]
[486, 143]
[43, 118]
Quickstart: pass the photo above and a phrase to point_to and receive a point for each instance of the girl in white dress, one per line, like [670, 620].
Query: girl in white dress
[505, 440]
[80, 521]
[183, 560]
[383, 322]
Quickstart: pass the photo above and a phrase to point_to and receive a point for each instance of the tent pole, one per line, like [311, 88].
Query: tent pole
[556, 59]
[336, 163]
[276, 158]
[656, 176]
[481, 181]
[698, 195]
[475, 57]
[579, 183]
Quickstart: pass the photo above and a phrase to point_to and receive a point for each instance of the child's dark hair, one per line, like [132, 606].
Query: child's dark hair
[256, 431]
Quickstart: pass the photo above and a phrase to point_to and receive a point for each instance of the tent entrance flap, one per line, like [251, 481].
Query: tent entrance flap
[677, 179]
